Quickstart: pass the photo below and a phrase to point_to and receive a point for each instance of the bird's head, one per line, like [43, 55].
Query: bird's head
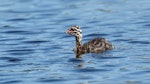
[74, 31]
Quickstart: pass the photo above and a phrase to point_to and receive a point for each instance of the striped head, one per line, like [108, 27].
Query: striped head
[74, 31]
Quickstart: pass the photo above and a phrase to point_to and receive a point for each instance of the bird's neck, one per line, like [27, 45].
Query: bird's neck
[79, 47]
[78, 41]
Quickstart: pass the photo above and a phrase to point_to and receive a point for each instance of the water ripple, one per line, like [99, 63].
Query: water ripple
[18, 32]
[12, 82]
[51, 79]
[147, 25]
[96, 35]
[11, 59]
[67, 19]
[139, 42]
[36, 41]
[140, 72]
[75, 60]
[121, 40]
[91, 70]
[8, 65]
[20, 51]
[18, 19]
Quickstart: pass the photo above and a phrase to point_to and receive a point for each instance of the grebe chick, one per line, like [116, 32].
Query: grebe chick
[97, 45]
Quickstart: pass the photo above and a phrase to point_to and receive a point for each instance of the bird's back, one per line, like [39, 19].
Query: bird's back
[97, 45]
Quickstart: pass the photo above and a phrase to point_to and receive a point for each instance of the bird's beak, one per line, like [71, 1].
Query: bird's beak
[68, 31]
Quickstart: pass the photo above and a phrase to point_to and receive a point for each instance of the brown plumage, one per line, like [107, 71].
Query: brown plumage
[97, 45]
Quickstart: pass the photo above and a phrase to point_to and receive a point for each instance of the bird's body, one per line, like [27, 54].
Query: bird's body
[97, 45]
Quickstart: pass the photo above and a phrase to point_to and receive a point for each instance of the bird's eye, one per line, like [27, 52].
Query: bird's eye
[72, 29]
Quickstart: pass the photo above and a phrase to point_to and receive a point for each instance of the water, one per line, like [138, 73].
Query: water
[35, 50]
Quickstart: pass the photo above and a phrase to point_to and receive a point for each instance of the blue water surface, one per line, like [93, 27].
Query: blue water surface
[35, 50]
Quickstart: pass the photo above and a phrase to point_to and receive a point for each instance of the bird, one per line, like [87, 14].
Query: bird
[96, 45]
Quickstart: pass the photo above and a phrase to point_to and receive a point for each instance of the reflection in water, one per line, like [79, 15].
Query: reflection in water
[77, 62]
